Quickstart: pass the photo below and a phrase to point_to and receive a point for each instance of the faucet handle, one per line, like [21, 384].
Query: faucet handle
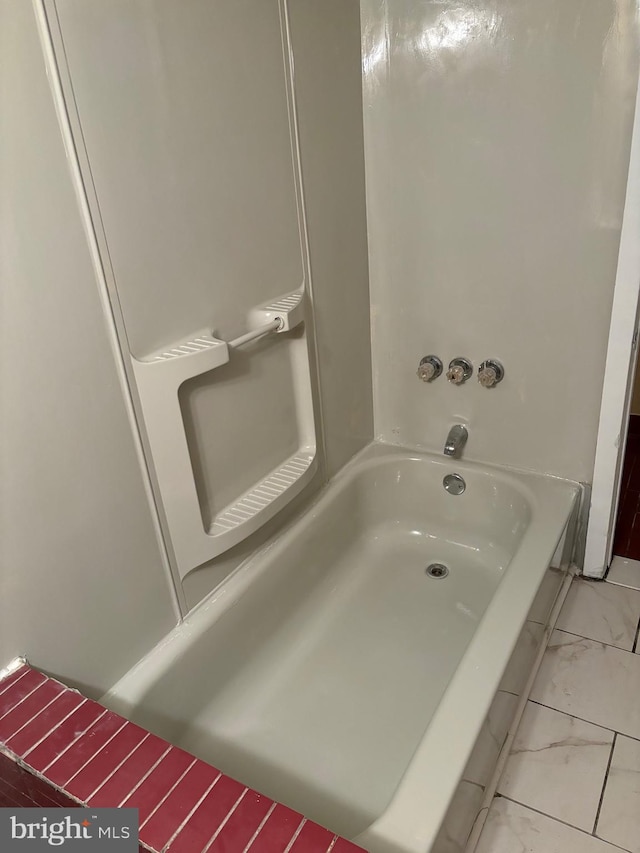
[490, 373]
[430, 367]
[460, 369]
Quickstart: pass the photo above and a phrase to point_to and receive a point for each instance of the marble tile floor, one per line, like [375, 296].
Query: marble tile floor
[572, 781]
[624, 572]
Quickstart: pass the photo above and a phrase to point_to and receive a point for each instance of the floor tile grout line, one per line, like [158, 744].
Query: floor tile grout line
[72, 743]
[544, 814]
[260, 826]
[31, 719]
[635, 642]
[117, 768]
[590, 722]
[611, 844]
[589, 639]
[584, 720]
[593, 639]
[225, 821]
[604, 785]
[623, 585]
[104, 746]
[25, 755]
[145, 777]
[559, 820]
[295, 835]
[605, 579]
[193, 810]
[167, 794]
[605, 728]
[21, 701]
[4, 687]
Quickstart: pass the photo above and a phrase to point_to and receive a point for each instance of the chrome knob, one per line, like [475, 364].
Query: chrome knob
[460, 369]
[490, 373]
[430, 368]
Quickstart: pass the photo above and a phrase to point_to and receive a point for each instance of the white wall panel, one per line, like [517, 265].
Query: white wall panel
[83, 592]
[497, 140]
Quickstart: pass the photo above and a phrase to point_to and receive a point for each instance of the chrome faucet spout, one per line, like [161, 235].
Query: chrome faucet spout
[456, 440]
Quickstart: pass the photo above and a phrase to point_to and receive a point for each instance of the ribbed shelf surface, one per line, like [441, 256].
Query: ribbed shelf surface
[261, 495]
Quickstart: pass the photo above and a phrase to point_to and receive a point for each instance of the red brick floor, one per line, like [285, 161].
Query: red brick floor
[626, 542]
[59, 749]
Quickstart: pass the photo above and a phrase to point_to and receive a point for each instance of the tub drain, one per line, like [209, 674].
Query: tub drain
[437, 570]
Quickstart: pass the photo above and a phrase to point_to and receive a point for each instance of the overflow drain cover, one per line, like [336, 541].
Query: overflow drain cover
[437, 570]
[454, 484]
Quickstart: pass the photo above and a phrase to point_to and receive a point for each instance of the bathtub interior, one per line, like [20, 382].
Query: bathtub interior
[317, 681]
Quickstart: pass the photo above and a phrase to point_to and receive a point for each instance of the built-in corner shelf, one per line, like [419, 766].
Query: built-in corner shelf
[159, 376]
[267, 492]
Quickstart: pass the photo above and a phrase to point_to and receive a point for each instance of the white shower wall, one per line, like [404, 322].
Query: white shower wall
[80, 559]
[83, 590]
[497, 138]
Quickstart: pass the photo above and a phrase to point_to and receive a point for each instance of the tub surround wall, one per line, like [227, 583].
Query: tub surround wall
[77, 531]
[79, 556]
[328, 88]
[219, 228]
[190, 139]
[497, 141]
[325, 38]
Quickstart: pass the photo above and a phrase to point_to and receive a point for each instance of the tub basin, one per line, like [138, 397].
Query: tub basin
[332, 672]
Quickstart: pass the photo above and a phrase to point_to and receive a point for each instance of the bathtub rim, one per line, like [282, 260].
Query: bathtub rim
[550, 499]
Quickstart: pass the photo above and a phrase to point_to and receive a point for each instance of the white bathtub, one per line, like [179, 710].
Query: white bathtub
[333, 674]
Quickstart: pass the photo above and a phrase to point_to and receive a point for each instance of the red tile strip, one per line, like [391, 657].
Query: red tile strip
[19, 691]
[130, 774]
[243, 823]
[39, 791]
[30, 707]
[101, 766]
[44, 722]
[157, 785]
[60, 749]
[11, 679]
[185, 797]
[60, 739]
[8, 798]
[312, 837]
[62, 769]
[278, 831]
[209, 816]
